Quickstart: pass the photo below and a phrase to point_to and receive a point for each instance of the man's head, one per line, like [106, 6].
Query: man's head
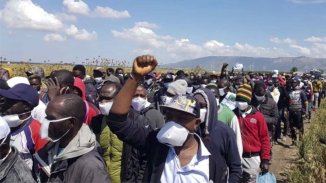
[214, 90]
[99, 72]
[259, 91]
[63, 118]
[4, 138]
[35, 70]
[185, 111]
[243, 97]
[223, 87]
[139, 101]
[65, 79]
[106, 96]
[109, 71]
[119, 72]
[79, 71]
[17, 104]
[35, 82]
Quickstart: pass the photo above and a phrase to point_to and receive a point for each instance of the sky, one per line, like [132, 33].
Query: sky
[76, 30]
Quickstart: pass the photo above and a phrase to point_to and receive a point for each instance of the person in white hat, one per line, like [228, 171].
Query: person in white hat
[12, 168]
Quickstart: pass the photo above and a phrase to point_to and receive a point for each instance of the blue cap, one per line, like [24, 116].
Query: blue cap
[22, 92]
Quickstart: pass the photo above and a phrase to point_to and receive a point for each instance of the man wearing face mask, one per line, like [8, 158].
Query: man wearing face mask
[16, 109]
[141, 105]
[111, 146]
[225, 137]
[298, 106]
[255, 138]
[265, 103]
[99, 77]
[159, 96]
[175, 152]
[72, 154]
[12, 167]
[227, 98]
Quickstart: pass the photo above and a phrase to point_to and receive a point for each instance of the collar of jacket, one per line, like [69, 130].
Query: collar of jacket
[8, 163]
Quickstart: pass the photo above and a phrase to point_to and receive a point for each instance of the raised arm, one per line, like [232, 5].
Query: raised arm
[142, 66]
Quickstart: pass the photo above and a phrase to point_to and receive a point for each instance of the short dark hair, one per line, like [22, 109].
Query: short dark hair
[111, 70]
[64, 77]
[80, 68]
[69, 108]
[35, 77]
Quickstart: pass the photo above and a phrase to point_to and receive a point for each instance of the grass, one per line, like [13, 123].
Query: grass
[312, 167]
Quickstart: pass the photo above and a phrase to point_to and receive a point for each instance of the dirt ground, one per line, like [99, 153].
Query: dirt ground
[284, 157]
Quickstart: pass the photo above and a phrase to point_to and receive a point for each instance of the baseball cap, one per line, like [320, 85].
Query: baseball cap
[22, 92]
[184, 103]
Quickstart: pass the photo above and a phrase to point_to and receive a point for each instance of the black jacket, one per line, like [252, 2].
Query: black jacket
[133, 132]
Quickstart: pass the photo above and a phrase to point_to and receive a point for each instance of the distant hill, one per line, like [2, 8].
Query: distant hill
[251, 63]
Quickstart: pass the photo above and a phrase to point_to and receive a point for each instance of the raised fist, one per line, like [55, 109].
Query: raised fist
[143, 65]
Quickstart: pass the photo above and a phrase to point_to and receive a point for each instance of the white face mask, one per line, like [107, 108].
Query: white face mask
[98, 79]
[166, 100]
[166, 85]
[45, 129]
[217, 102]
[189, 90]
[138, 103]
[13, 120]
[203, 113]
[203, 85]
[172, 134]
[241, 105]
[149, 81]
[260, 98]
[105, 107]
[221, 91]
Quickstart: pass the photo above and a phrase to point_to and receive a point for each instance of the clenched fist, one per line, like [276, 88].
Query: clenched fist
[143, 65]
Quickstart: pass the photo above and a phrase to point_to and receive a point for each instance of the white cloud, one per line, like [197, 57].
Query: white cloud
[314, 39]
[24, 14]
[81, 34]
[168, 47]
[76, 7]
[308, 1]
[282, 41]
[107, 12]
[54, 37]
[302, 50]
[66, 17]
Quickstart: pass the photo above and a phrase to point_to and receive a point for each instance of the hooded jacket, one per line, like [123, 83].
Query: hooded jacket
[79, 161]
[14, 169]
[225, 137]
[92, 110]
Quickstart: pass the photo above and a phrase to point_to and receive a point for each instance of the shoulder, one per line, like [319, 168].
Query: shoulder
[91, 161]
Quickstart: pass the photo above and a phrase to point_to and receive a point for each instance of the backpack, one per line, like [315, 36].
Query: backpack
[295, 103]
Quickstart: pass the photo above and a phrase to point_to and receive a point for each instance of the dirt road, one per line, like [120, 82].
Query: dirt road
[284, 157]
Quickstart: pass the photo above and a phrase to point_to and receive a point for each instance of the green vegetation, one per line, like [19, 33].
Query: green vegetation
[311, 167]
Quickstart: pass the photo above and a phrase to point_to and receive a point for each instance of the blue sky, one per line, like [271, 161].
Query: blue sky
[71, 30]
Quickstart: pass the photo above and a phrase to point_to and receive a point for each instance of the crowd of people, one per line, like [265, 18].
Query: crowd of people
[147, 126]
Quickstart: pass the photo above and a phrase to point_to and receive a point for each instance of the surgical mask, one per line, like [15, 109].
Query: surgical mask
[298, 87]
[120, 75]
[218, 102]
[203, 85]
[13, 120]
[105, 107]
[260, 98]
[45, 129]
[138, 103]
[213, 81]
[149, 81]
[221, 91]
[241, 105]
[172, 134]
[203, 113]
[166, 100]
[98, 79]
